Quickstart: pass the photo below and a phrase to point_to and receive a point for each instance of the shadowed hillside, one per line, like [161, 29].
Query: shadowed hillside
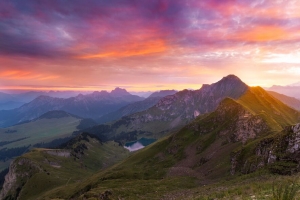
[41, 170]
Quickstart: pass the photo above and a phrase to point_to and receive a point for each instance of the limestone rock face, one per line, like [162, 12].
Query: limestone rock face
[294, 141]
[242, 125]
[281, 153]
[10, 181]
[20, 171]
[61, 153]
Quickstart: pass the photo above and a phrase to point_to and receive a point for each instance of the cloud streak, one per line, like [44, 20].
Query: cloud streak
[159, 42]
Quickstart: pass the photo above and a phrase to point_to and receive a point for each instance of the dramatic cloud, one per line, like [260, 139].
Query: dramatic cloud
[147, 45]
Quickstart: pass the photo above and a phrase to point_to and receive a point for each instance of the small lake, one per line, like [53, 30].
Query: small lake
[139, 144]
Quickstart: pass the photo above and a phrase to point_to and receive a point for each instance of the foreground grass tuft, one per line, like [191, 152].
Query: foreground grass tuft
[285, 190]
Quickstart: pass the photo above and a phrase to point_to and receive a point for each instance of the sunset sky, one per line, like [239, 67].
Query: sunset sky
[146, 45]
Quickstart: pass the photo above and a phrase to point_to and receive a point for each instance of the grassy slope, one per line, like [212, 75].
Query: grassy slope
[277, 114]
[43, 130]
[196, 152]
[98, 156]
[152, 167]
[139, 175]
[40, 130]
[290, 101]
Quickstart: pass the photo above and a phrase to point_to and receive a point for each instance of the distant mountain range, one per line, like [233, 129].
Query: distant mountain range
[175, 111]
[142, 94]
[10, 101]
[290, 90]
[290, 101]
[295, 84]
[136, 106]
[86, 106]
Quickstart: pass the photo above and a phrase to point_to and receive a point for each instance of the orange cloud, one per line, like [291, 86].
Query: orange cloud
[135, 49]
[262, 33]
[14, 74]
[19, 75]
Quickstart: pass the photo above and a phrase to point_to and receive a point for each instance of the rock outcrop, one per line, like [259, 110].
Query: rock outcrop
[59, 152]
[241, 124]
[20, 171]
[280, 153]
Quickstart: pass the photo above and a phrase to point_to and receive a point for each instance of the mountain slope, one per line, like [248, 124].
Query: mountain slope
[171, 112]
[45, 128]
[50, 129]
[290, 101]
[10, 105]
[11, 101]
[277, 114]
[162, 93]
[289, 90]
[136, 106]
[233, 139]
[174, 111]
[86, 106]
[41, 170]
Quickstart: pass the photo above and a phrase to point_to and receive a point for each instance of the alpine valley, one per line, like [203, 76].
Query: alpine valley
[226, 140]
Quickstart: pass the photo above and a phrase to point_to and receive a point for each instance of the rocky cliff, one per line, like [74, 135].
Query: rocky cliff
[280, 153]
[20, 171]
[241, 124]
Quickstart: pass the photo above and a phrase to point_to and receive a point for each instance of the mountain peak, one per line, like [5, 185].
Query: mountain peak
[233, 81]
[119, 92]
[231, 77]
[229, 86]
[162, 93]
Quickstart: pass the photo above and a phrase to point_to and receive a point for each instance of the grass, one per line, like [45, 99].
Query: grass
[276, 113]
[285, 190]
[43, 130]
[257, 186]
[151, 164]
[68, 171]
[149, 167]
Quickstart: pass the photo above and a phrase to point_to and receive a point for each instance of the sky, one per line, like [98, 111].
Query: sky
[147, 45]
